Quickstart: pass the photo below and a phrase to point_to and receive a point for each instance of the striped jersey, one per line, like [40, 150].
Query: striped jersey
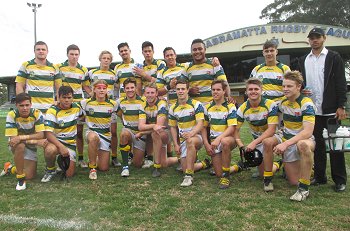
[153, 69]
[152, 113]
[39, 83]
[63, 124]
[272, 78]
[129, 111]
[185, 116]
[108, 76]
[295, 114]
[259, 117]
[98, 116]
[219, 118]
[75, 77]
[124, 71]
[166, 75]
[202, 76]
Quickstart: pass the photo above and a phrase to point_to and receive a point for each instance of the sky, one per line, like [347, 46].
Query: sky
[101, 25]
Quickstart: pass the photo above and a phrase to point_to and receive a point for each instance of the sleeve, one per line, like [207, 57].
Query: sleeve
[219, 73]
[22, 74]
[199, 111]
[272, 117]
[11, 126]
[50, 120]
[308, 110]
[83, 106]
[254, 73]
[86, 80]
[39, 122]
[142, 112]
[160, 82]
[172, 118]
[160, 67]
[57, 75]
[340, 81]
[232, 115]
[240, 115]
[206, 115]
[162, 109]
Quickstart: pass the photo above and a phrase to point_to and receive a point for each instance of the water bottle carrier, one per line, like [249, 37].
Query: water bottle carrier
[332, 126]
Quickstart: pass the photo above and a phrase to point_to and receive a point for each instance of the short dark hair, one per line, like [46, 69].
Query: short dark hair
[40, 43]
[198, 40]
[183, 81]
[270, 43]
[129, 80]
[73, 47]
[22, 97]
[220, 81]
[168, 49]
[124, 44]
[147, 44]
[65, 90]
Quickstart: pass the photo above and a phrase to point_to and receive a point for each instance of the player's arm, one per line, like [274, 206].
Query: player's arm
[88, 90]
[20, 87]
[63, 150]
[29, 139]
[195, 130]
[143, 126]
[237, 137]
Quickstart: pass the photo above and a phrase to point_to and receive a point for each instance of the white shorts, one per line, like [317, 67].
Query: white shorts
[104, 144]
[292, 153]
[29, 154]
[137, 143]
[183, 146]
[72, 155]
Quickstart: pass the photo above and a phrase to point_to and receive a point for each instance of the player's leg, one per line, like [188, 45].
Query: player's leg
[192, 145]
[93, 141]
[50, 152]
[80, 145]
[125, 141]
[114, 145]
[227, 145]
[268, 145]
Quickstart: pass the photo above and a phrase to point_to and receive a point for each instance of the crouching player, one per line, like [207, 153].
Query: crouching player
[98, 117]
[296, 144]
[220, 118]
[261, 115]
[61, 132]
[152, 119]
[25, 129]
[186, 117]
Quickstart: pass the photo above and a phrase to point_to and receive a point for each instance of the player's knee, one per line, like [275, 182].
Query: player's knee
[19, 147]
[50, 150]
[268, 143]
[303, 147]
[93, 138]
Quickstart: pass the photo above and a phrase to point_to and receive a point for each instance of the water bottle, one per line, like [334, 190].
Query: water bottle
[346, 144]
[339, 141]
[325, 136]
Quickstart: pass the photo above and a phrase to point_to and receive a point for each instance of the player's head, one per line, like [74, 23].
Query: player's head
[147, 50]
[182, 88]
[130, 87]
[23, 104]
[292, 83]
[169, 56]
[100, 89]
[105, 58]
[124, 50]
[151, 92]
[198, 50]
[270, 51]
[218, 89]
[253, 88]
[41, 50]
[73, 53]
[65, 95]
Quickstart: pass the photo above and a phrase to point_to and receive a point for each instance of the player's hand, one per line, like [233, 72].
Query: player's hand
[42, 143]
[139, 71]
[187, 135]
[215, 143]
[173, 83]
[14, 141]
[158, 128]
[177, 150]
[215, 62]
[209, 149]
[138, 135]
[63, 150]
[194, 90]
[280, 149]
[250, 147]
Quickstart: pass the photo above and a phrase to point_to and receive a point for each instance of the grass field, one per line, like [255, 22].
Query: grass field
[141, 202]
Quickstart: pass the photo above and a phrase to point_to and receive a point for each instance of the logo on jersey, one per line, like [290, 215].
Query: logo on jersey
[31, 74]
[91, 111]
[297, 113]
[124, 109]
[61, 123]
[189, 75]
[119, 73]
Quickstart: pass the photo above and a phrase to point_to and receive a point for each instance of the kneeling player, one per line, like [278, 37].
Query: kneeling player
[186, 116]
[61, 131]
[98, 117]
[25, 129]
[296, 144]
[221, 120]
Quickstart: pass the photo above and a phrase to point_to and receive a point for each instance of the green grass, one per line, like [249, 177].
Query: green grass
[141, 202]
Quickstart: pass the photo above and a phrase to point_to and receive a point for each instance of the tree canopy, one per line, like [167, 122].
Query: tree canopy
[330, 12]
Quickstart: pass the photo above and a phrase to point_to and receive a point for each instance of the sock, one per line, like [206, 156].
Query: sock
[21, 178]
[13, 170]
[205, 163]
[189, 172]
[157, 166]
[80, 156]
[91, 166]
[267, 177]
[225, 172]
[124, 150]
[114, 156]
[277, 166]
[235, 168]
[304, 184]
[51, 168]
[150, 158]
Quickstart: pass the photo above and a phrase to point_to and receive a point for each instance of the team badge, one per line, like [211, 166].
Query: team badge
[297, 113]
[119, 73]
[124, 109]
[61, 123]
[91, 111]
[95, 78]
[189, 76]
[167, 79]
[31, 74]
[177, 117]
[209, 117]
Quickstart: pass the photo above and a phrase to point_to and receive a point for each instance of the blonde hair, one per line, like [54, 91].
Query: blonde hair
[103, 53]
[100, 81]
[294, 76]
[152, 85]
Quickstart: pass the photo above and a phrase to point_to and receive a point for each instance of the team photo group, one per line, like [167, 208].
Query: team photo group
[168, 111]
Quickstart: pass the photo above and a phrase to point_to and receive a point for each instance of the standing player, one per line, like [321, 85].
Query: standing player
[39, 78]
[261, 115]
[25, 129]
[221, 120]
[61, 131]
[152, 119]
[296, 144]
[186, 118]
[129, 109]
[99, 110]
[76, 76]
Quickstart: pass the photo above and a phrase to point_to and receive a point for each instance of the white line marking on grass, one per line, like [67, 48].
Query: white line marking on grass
[347, 169]
[52, 223]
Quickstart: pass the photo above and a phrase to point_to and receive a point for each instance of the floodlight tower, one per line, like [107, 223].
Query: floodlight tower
[34, 7]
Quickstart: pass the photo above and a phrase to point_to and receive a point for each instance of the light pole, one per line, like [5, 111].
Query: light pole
[34, 6]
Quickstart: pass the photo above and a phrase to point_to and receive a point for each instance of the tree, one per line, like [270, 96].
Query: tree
[330, 12]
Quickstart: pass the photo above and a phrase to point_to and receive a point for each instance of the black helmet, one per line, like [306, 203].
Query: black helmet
[63, 162]
[251, 159]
